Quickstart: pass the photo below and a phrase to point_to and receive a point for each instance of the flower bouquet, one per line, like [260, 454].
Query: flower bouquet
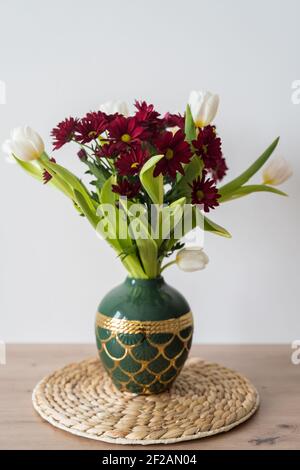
[152, 180]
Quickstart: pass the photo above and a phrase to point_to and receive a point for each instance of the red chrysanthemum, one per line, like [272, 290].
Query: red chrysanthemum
[145, 112]
[130, 162]
[204, 193]
[172, 120]
[90, 127]
[176, 151]
[64, 132]
[148, 118]
[126, 130]
[127, 188]
[46, 176]
[108, 150]
[219, 169]
[208, 147]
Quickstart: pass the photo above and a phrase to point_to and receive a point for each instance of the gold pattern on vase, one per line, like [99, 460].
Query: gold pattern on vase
[143, 357]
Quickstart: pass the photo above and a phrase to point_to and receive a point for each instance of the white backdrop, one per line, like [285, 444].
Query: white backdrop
[64, 57]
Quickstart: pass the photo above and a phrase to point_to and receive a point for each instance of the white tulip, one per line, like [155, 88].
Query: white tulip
[8, 153]
[112, 107]
[24, 143]
[204, 106]
[278, 171]
[191, 259]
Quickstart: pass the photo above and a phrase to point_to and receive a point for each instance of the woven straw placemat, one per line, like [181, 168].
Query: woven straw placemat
[206, 399]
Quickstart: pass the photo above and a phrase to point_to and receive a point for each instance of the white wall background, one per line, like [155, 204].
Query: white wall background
[64, 57]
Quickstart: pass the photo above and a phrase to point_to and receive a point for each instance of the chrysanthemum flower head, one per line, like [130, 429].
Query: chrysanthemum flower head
[127, 188]
[204, 192]
[64, 132]
[208, 147]
[176, 152]
[131, 161]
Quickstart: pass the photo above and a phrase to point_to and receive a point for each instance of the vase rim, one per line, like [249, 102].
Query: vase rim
[133, 281]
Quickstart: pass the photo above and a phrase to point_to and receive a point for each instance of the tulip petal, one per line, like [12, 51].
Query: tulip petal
[112, 107]
[17, 133]
[6, 147]
[204, 106]
[211, 108]
[277, 172]
[35, 139]
[23, 149]
[191, 259]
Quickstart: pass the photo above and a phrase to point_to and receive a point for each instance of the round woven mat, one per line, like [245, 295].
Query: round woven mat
[206, 399]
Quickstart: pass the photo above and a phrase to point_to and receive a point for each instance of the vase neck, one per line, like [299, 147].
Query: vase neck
[155, 282]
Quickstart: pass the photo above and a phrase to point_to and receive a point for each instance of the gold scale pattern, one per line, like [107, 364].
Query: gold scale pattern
[206, 399]
[135, 370]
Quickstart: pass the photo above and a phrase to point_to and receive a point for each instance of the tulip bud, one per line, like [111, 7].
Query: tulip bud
[82, 155]
[112, 107]
[277, 172]
[24, 143]
[204, 106]
[191, 259]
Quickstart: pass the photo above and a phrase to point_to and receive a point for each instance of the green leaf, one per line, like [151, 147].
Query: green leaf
[191, 171]
[100, 173]
[72, 181]
[107, 195]
[140, 230]
[172, 213]
[90, 214]
[56, 180]
[210, 226]
[123, 245]
[246, 175]
[31, 168]
[251, 188]
[191, 220]
[189, 125]
[153, 185]
[196, 218]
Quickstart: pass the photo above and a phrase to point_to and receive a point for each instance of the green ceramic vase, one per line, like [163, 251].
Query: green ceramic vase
[144, 333]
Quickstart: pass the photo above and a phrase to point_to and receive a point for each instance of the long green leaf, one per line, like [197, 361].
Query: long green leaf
[189, 125]
[146, 245]
[31, 168]
[210, 226]
[87, 211]
[169, 216]
[246, 175]
[124, 245]
[251, 188]
[56, 180]
[153, 185]
[107, 195]
[72, 181]
[198, 219]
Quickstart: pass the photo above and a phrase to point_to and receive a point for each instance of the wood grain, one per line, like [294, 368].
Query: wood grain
[276, 425]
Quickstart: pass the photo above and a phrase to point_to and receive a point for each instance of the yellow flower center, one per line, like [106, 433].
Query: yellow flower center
[134, 165]
[126, 138]
[199, 194]
[92, 134]
[169, 154]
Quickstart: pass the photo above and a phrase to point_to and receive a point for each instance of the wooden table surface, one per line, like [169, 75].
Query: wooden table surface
[276, 425]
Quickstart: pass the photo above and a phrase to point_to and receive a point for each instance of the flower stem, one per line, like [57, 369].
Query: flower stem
[167, 265]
